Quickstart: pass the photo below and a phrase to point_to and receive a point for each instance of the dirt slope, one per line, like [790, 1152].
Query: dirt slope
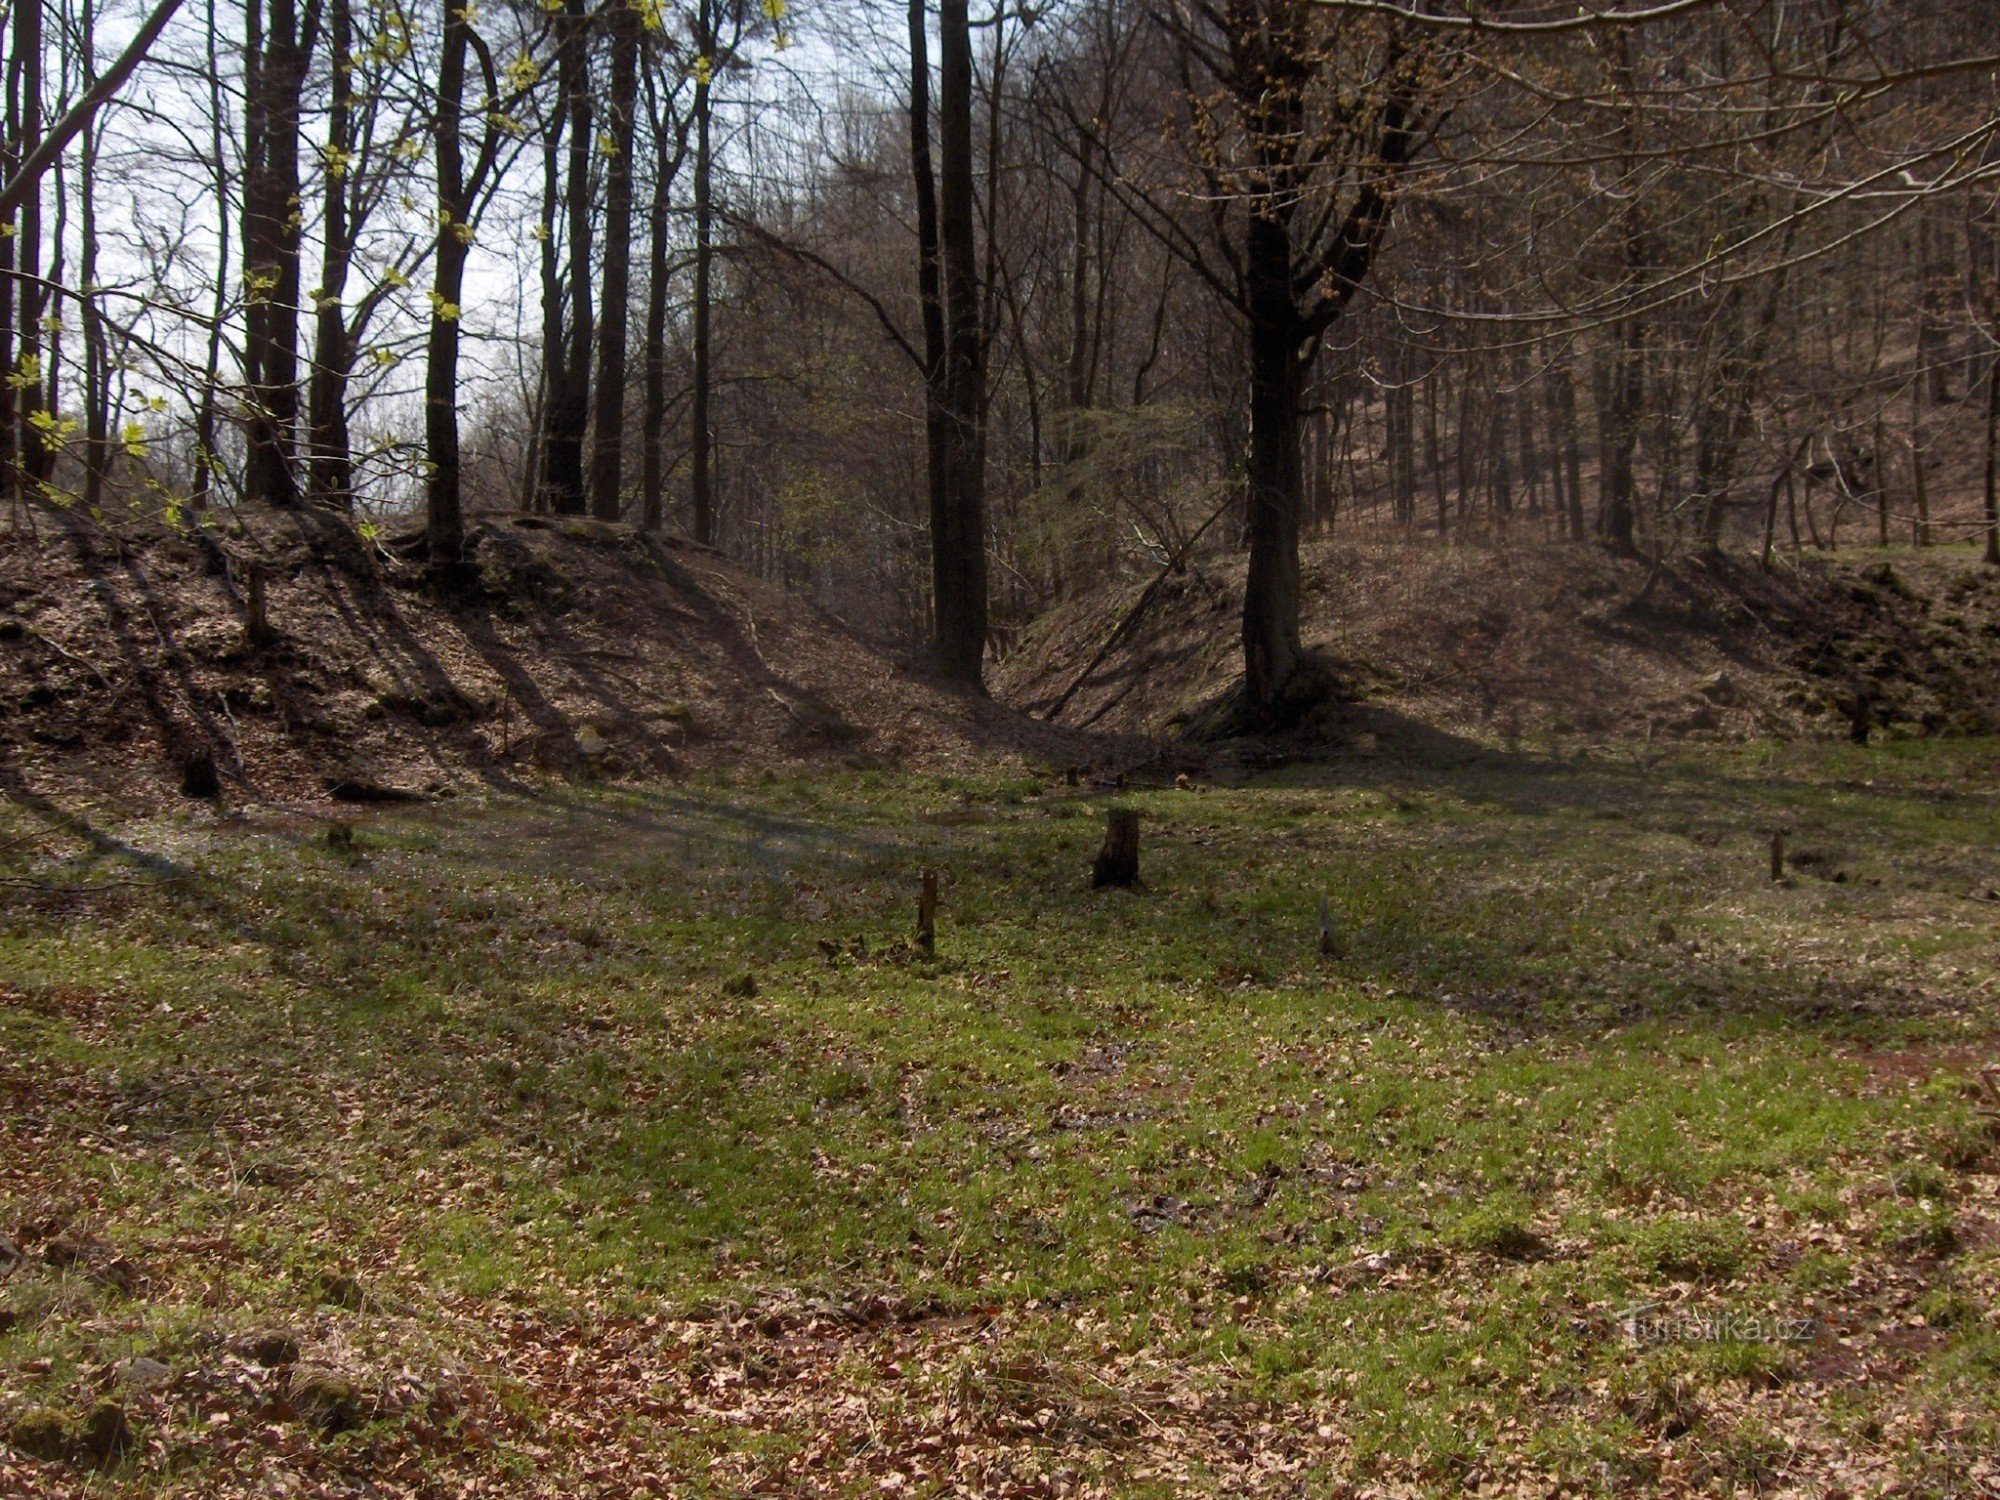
[1544, 638]
[581, 650]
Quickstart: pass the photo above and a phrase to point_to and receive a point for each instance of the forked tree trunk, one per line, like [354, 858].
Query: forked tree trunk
[653, 403]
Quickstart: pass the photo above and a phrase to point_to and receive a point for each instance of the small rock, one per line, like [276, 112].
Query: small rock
[40, 1433]
[10, 1256]
[591, 743]
[140, 1374]
[198, 776]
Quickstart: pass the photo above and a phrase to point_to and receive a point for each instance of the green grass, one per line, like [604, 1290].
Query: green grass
[1125, 1188]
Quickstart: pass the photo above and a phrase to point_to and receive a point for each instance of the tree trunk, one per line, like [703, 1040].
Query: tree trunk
[1621, 435]
[567, 363]
[1993, 463]
[37, 457]
[10, 479]
[207, 416]
[930, 296]
[272, 103]
[653, 410]
[607, 459]
[1274, 482]
[97, 446]
[1399, 416]
[444, 511]
[701, 456]
[959, 550]
[330, 459]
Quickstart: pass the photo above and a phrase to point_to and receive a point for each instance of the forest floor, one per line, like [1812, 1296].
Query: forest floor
[618, 1141]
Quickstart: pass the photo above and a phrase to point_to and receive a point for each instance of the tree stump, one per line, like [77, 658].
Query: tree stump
[927, 903]
[1330, 945]
[1118, 861]
[198, 775]
[1860, 716]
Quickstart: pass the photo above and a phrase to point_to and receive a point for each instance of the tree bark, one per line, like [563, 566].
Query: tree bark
[444, 526]
[36, 456]
[959, 553]
[607, 459]
[272, 104]
[1274, 483]
[653, 406]
[567, 363]
[930, 295]
[330, 459]
[701, 456]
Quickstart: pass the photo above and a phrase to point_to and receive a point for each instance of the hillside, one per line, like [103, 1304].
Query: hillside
[1551, 641]
[583, 650]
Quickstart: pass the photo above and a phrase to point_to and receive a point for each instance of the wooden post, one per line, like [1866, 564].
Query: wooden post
[1860, 718]
[1118, 861]
[258, 627]
[1329, 940]
[927, 915]
[1777, 856]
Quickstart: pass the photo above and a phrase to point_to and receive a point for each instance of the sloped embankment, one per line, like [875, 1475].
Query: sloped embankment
[579, 649]
[1553, 639]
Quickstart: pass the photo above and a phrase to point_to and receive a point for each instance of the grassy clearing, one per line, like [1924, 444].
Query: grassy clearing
[617, 1139]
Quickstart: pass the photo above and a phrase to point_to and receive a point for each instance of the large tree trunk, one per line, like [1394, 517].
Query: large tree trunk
[930, 289]
[207, 416]
[37, 457]
[959, 551]
[566, 364]
[330, 459]
[444, 515]
[700, 459]
[607, 459]
[10, 133]
[97, 446]
[272, 103]
[653, 407]
[1275, 483]
[1621, 437]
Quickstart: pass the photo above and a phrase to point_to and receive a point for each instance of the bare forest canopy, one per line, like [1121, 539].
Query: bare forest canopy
[942, 315]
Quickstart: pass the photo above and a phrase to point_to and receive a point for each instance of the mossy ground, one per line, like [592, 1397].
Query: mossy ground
[619, 1141]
